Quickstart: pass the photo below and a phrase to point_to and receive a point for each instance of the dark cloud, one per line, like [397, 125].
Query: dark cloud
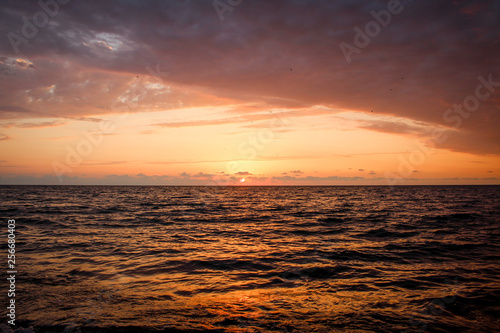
[91, 53]
[269, 120]
[394, 127]
[203, 175]
[192, 179]
[243, 173]
[10, 108]
[32, 125]
[312, 180]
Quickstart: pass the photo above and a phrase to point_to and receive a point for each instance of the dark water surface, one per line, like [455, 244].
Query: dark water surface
[255, 259]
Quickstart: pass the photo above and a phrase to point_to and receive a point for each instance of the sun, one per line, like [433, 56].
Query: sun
[242, 180]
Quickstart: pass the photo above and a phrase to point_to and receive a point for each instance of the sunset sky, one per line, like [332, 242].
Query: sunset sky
[254, 92]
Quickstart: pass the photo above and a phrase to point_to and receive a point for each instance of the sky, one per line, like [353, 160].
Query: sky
[249, 92]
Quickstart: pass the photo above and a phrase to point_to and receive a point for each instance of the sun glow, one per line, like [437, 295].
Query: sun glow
[242, 180]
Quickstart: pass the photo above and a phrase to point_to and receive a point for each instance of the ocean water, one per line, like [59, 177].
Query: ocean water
[255, 259]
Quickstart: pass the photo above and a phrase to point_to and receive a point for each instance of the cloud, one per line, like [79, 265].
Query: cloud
[312, 180]
[243, 173]
[472, 9]
[396, 127]
[33, 124]
[212, 180]
[296, 172]
[13, 109]
[189, 162]
[4, 137]
[270, 120]
[361, 170]
[123, 179]
[105, 163]
[203, 175]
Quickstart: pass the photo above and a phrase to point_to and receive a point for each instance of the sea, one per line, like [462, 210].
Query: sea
[253, 259]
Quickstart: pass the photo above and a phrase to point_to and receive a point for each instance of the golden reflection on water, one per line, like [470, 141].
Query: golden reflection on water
[168, 299]
[136, 291]
[315, 260]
